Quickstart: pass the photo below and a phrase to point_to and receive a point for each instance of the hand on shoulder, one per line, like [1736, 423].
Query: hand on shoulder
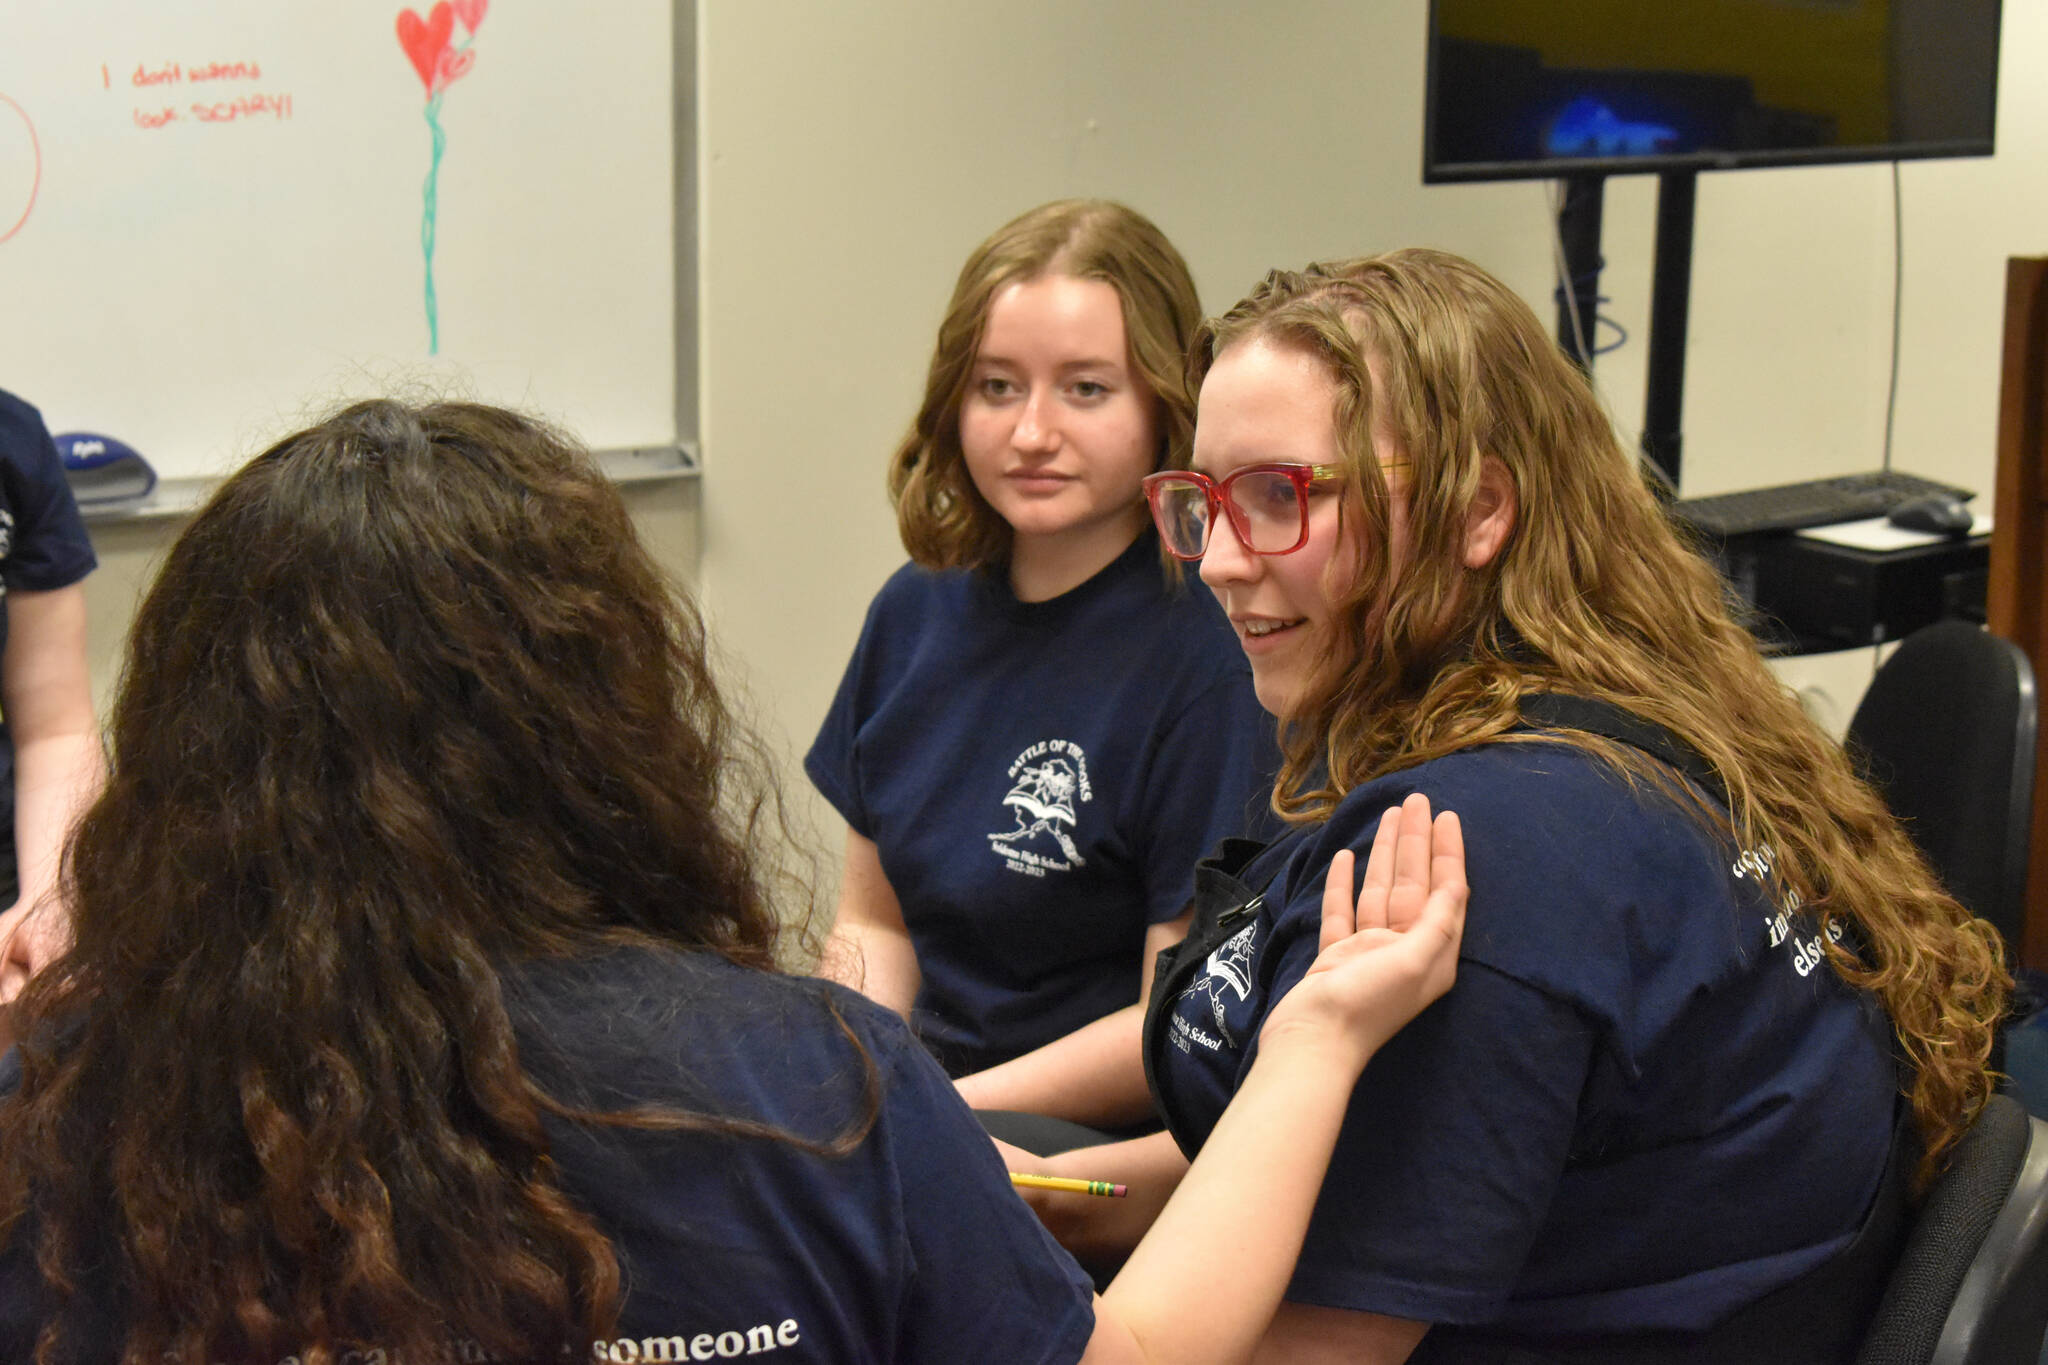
[1386, 956]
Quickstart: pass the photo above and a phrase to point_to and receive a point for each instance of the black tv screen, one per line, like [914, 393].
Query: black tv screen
[1527, 88]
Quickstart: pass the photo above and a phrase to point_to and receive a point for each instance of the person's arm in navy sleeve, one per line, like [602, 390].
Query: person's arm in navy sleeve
[46, 694]
[1205, 778]
[1204, 1284]
[986, 1282]
[1462, 1128]
[45, 688]
[869, 948]
[1444, 1188]
[1391, 1178]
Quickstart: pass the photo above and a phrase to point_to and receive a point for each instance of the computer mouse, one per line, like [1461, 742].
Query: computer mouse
[1939, 514]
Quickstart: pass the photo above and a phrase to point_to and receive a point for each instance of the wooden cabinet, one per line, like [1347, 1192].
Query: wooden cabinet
[2017, 603]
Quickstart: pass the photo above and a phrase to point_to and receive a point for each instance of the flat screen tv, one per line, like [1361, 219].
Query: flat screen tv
[1554, 88]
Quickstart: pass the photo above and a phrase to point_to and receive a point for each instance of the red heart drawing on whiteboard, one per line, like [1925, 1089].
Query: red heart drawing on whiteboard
[454, 63]
[424, 39]
[471, 13]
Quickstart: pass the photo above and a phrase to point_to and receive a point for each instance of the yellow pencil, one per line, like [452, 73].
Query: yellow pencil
[1060, 1182]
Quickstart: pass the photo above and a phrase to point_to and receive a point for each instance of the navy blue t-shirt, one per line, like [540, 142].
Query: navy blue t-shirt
[911, 1248]
[43, 546]
[1040, 779]
[1647, 1100]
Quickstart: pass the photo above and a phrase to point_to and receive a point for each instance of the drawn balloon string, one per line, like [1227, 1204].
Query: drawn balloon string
[440, 61]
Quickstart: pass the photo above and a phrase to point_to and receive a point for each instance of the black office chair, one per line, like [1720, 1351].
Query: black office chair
[1971, 1286]
[1946, 732]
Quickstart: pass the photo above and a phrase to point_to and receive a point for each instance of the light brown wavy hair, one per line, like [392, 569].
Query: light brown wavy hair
[408, 705]
[1594, 594]
[944, 520]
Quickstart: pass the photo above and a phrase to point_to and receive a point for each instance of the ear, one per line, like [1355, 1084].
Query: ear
[1491, 518]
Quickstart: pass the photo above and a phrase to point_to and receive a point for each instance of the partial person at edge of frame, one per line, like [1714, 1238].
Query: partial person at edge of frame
[1042, 728]
[423, 992]
[1659, 1117]
[49, 741]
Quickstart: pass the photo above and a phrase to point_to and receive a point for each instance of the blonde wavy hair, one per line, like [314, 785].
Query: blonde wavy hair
[944, 521]
[1594, 594]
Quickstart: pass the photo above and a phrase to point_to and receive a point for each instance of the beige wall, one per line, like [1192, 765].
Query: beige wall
[851, 154]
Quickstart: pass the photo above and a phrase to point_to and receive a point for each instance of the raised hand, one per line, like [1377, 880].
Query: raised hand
[1383, 958]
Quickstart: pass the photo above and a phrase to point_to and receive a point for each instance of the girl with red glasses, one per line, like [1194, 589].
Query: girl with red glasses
[1659, 1117]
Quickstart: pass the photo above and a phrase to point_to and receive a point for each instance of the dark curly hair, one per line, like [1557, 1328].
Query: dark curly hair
[408, 702]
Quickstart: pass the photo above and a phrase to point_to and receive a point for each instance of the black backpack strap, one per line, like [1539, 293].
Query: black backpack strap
[1561, 711]
[1230, 888]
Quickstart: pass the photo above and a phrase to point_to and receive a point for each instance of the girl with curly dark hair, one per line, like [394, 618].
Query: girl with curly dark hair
[423, 1002]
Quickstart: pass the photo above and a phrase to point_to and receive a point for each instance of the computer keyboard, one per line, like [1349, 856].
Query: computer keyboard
[1817, 502]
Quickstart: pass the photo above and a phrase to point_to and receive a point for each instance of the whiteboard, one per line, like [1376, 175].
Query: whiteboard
[216, 215]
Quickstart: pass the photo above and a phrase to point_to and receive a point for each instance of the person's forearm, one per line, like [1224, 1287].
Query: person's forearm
[1182, 1297]
[1093, 1075]
[880, 963]
[1101, 1232]
[870, 948]
[55, 778]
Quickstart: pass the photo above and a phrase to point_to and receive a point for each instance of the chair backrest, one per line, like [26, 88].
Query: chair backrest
[1971, 1285]
[1946, 732]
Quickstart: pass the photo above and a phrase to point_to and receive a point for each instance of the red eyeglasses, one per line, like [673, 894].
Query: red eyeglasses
[1267, 505]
